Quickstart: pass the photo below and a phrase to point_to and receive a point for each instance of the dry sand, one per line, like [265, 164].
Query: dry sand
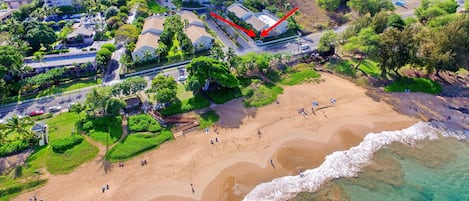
[229, 169]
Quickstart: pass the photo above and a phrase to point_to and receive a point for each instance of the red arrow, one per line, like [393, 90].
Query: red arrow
[249, 32]
[265, 32]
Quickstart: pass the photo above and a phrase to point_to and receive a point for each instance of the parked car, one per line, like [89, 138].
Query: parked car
[182, 78]
[55, 108]
[36, 113]
[72, 103]
[304, 47]
[2, 121]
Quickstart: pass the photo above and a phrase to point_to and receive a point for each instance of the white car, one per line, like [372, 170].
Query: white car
[304, 47]
[55, 108]
[182, 78]
[72, 103]
[2, 121]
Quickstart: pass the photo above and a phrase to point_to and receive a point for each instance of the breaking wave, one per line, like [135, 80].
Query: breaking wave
[343, 163]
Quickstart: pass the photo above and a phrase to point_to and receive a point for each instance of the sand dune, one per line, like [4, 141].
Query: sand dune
[229, 169]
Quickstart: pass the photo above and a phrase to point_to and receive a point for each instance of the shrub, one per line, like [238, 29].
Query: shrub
[61, 145]
[109, 46]
[88, 126]
[224, 95]
[124, 9]
[20, 187]
[41, 117]
[13, 148]
[143, 122]
[208, 119]
[300, 77]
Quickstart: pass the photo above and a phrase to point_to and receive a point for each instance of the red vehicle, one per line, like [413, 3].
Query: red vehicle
[35, 113]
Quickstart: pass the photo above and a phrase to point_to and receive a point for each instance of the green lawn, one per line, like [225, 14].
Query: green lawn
[182, 93]
[155, 7]
[107, 130]
[196, 102]
[61, 125]
[369, 67]
[262, 95]
[342, 67]
[208, 119]
[11, 188]
[137, 143]
[64, 163]
[299, 77]
[414, 84]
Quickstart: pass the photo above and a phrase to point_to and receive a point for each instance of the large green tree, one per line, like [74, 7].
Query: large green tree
[370, 6]
[165, 88]
[129, 86]
[204, 69]
[114, 106]
[11, 60]
[21, 126]
[40, 35]
[364, 44]
[328, 40]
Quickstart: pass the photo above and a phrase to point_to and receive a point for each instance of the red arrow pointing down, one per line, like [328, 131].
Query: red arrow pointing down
[249, 32]
[265, 32]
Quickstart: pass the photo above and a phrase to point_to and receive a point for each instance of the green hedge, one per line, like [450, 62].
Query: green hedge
[135, 144]
[300, 77]
[20, 187]
[143, 122]
[208, 119]
[41, 117]
[13, 148]
[63, 144]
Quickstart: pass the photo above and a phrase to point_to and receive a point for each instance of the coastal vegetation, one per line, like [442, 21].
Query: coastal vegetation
[208, 118]
[137, 143]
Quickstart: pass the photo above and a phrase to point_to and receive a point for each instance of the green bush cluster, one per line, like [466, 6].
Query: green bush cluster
[208, 119]
[135, 144]
[63, 144]
[13, 148]
[143, 122]
[20, 187]
[41, 117]
[300, 77]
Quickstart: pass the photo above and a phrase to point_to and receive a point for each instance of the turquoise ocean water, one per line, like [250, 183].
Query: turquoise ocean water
[420, 163]
[431, 170]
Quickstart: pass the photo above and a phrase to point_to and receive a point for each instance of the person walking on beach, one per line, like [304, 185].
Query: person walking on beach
[211, 141]
[216, 139]
[107, 186]
[272, 163]
[104, 189]
[259, 134]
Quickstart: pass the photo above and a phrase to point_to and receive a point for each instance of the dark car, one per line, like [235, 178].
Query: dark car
[35, 113]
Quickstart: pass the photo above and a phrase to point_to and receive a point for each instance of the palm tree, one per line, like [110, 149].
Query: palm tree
[21, 126]
[147, 55]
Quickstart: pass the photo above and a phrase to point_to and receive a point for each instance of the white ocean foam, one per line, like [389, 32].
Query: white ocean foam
[340, 163]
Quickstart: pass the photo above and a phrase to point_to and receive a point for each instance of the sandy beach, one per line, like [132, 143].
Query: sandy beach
[230, 168]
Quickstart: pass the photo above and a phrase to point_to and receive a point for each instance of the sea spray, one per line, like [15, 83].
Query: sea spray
[341, 163]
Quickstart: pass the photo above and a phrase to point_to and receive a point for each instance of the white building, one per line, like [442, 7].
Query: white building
[153, 24]
[259, 21]
[58, 3]
[191, 18]
[200, 39]
[41, 132]
[147, 44]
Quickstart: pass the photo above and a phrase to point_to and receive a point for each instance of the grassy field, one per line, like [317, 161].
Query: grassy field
[61, 125]
[175, 48]
[262, 95]
[66, 162]
[369, 67]
[11, 189]
[136, 144]
[300, 77]
[155, 7]
[69, 86]
[182, 93]
[208, 119]
[196, 102]
[414, 84]
[107, 130]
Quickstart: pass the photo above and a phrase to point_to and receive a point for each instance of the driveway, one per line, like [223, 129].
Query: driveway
[221, 35]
